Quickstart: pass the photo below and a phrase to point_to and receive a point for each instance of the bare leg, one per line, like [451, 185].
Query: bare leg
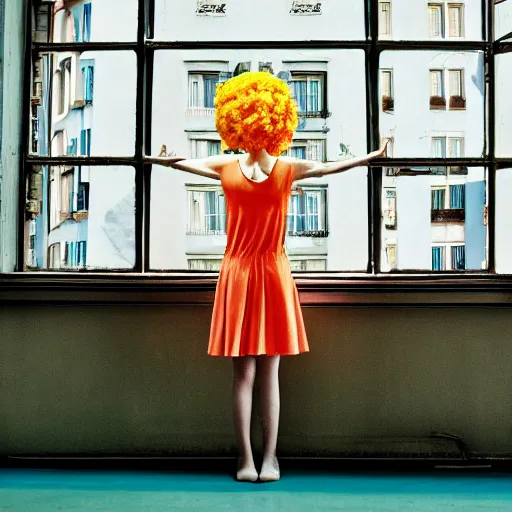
[268, 372]
[244, 371]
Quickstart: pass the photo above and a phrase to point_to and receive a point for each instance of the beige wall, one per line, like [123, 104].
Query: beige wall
[126, 379]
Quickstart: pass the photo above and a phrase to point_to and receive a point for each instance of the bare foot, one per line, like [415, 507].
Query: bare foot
[246, 471]
[270, 470]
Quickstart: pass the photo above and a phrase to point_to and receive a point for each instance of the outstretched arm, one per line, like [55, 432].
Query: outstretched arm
[208, 167]
[306, 169]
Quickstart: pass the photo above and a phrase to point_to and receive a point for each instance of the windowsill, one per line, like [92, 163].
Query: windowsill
[315, 289]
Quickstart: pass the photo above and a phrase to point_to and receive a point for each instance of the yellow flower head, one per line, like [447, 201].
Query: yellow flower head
[255, 111]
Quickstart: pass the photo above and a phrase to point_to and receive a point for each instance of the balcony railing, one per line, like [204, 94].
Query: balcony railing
[205, 232]
[457, 103]
[437, 103]
[200, 111]
[448, 215]
[321, 233]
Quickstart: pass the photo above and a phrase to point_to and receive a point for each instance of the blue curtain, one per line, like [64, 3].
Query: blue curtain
[78, 35]
[73, 147]
[213, 148]
[459, 257]
[300, 93]
[299, 152]
[88, 78]
[457, 196]
[312, 212]
[438, 197]
[85, 142]
[437, 258]
[314, 96]
[210, 86]
[86, 37]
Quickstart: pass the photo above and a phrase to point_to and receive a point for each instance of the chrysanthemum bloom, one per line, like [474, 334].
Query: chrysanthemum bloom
[255, 111]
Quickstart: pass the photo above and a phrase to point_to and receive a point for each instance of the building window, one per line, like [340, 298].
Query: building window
[310, 149]
[75, 254]
[384, 18]
[386, 80]
[308, 265]
[458, 196]
[207, 212]
[73, 147]
[438, 13]
[82, 198]
[66, 193]
[201, 90]
[54, 256]
[435, 20]
[390, 209]
[439, 258]
[438, 147]
[205, 148]
[456, 88]
[308, 89]
[88, 83]
[455, 147]
[86, 26]
[307, 212]
[458, 257]
[207, 265]
[85, 142]
[437, 96]
[455, 20]
[391, 255]
[438, 198]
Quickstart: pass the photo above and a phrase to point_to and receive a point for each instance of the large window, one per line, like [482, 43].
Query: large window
[429, 76]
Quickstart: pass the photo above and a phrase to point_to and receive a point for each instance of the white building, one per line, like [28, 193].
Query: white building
[433, 106]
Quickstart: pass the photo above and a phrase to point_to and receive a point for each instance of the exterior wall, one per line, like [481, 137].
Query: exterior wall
[11, 74]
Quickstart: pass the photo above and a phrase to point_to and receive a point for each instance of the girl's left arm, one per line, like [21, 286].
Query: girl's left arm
[307, 169]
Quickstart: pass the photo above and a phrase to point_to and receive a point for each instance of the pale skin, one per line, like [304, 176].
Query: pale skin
[257, 166]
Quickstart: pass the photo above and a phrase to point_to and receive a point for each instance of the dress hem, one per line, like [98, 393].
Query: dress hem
[260, 354]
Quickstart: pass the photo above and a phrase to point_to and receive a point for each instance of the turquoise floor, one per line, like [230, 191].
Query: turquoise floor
[24, 490]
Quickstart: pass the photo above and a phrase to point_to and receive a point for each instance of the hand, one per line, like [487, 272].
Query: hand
[383, 148]
[166, 161]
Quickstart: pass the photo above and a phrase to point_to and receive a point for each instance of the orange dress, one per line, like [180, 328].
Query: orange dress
[256, 309]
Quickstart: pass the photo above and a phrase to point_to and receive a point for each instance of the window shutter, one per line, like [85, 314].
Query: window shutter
[455, 25]
[386, 83]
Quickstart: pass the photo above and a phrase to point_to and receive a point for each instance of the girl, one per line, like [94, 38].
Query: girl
[256, 315]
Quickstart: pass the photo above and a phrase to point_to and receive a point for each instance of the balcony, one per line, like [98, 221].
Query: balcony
[448, 215]
[437, 103]
[200, 111]
[388, 104]
[457, 103]
[322, 233]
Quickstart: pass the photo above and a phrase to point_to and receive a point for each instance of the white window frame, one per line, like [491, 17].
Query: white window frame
[438, 7]
[389, 212]
[321, 214]
[199, 148]
[195, 105]
[201, 263]
[197, 214]
[447, 253]
[460, 7]
[440, 73]
[299, 264]
[312, 76]
[390, 247]
[385, 20]
[315, 149]
[445, 9]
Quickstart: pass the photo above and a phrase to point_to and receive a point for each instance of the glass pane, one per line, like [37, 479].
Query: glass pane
[89, 99]
[503, 105]
[84, 22]
[503, 221]
[502, 19]
[259, 20]
[434, 222]
[437, 103]
[330, 219]
[432, 21]
[82, 218]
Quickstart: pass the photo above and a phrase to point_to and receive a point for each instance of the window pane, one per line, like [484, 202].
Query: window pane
[185, 221]
[91, 107]
[436, 20]
[435, 222]
[84, 218]
[502, 19]
[227, 20]
[92, 21]
[503, 105]
[503, 221]
[425, 114]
